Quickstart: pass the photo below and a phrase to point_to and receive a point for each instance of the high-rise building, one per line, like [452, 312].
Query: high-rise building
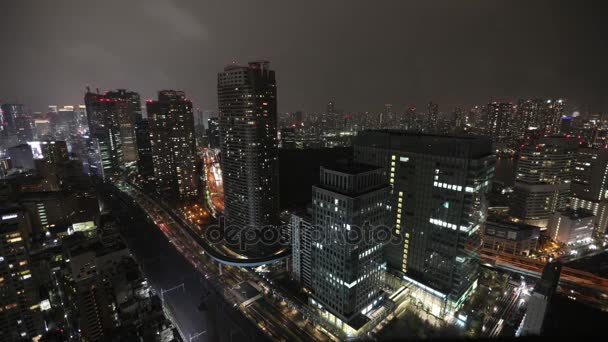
[247, 100]
[213, 132]
[538, 117]
[128, 110]
[20, 315]
[590, 184]
[104, 143]
[349, 204]
[54, 152]
[301, 245]
[16, 126]
[542, 182]
[173, 143]
[432, 117]
[498, 121]
[438, 187]
[145, 162]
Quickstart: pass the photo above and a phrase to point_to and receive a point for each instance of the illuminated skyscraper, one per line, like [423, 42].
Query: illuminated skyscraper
[173, 144]
[145, 162]
[538, 117]
[590, 184]
[348, 266]
[432, 117]
[104, 144]
[542, 184]
[438, 203]
[128, 110]
[247, 100]
[498, 121]
[16, 126]
[20, 315]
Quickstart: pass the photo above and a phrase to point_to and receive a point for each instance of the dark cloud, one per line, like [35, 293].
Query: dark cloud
[362, 53]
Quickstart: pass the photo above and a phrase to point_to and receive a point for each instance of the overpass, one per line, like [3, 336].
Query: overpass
[212, 252]
[534, 268]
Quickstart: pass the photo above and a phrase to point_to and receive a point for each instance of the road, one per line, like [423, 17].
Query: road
[165, 267]
[502, 311]
[270, 318]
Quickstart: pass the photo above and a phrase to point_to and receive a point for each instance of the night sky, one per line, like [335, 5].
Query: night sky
[361, 53]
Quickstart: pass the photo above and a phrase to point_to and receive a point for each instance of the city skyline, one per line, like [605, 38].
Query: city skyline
[547, 54]
[400, 170]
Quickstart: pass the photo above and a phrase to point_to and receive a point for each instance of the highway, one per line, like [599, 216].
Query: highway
[533, 267]
[270, 317]
[503, 310]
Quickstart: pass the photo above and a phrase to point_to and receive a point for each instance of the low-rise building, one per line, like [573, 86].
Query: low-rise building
[510, 237]
[570, 226]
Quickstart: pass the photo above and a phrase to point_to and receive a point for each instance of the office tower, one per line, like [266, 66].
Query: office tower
[173, 143]
[54, 152]
[566, 126]
[511, 238]
[64, 123]
[538, 117]
[386, 116]
[438, 187]
[104, 145]
[553, 112]
[92, 298]
[43, 129]
[459, 120]
[590, 185]
[247, 100]
[571, 226]
[145, 162]
[410, 119]
[528, 118]
[532, 323]
[432, 115]
[298, 118]
[301, 244]
[498, 121]
[328, 118]
[349, 204]
[542, 182]
[20, 315]
[128, 110]
[15, 125]
[213, 132]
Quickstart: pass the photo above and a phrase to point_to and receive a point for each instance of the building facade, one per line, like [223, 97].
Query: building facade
[510, 237]
[127, 105]
[301, 244]
[571, 226]
[104, 146]
[498, 121]
[590, 186]
[543, 177]
[349, 204]
[247, 100]
[20, 314]
[438, 187]
[173, 144]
